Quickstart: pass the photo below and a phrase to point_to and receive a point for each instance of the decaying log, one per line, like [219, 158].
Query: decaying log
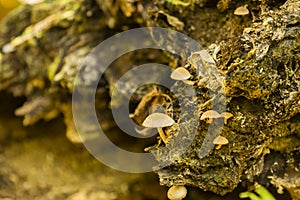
[257, 56]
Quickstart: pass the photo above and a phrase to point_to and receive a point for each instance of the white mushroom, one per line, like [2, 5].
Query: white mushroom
[180, 74]
[242, 10]
[177, 192]
[159, 120]
[220, 140]
[209, 115]
[145, 131]
[206, 56]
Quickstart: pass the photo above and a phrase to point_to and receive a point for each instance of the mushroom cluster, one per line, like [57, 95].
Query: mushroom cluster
[209, 115]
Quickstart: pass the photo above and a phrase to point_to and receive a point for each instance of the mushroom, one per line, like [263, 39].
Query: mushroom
[202, 82]
[226, 116]
[159, 120]
[206, 56]
[220, 140]
[177, 192]
[242, 10]
[209, 115]
[145, 131]
[180, 74]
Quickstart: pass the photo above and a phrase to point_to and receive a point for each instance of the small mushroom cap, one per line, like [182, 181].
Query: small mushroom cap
[226, 115]
[177, 192]
[180, 74]
[242, 10]
[206, 56]
[220, 140]
[157, 120]
[210, 114]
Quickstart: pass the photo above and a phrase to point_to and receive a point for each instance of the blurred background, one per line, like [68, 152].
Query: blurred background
[6, 6]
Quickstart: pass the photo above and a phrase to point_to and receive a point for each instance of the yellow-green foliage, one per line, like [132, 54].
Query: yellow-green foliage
[263, 194]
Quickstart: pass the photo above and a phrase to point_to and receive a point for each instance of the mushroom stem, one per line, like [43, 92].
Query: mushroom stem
[188, 82]
[162, 134]
[218, 146]
[166, 96]
[225, 121]
[209, 120]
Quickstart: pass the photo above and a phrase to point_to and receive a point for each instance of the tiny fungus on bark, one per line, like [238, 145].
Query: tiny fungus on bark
[209, 115]
[202, 82]
[177, 192]
[220, 140]
[242, 10]
[180, 74]
[226, 116]
[159, 120]
[206, 56]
